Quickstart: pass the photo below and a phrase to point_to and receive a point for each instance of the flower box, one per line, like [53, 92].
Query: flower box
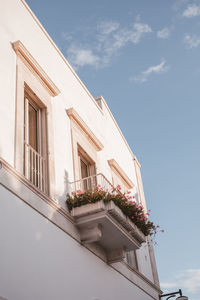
[105, 224]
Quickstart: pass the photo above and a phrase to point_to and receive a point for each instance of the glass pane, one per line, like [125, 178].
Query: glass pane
[84, 170]
[84, 174]
[33, 136]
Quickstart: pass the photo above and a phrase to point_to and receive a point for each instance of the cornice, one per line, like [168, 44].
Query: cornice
[114, 165]
[137, 162]
[25, 55]
[150, 283]
[74, 116]
[60, 54]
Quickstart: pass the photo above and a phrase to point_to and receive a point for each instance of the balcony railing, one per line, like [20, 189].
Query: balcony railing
[35, 168]
[91, 182]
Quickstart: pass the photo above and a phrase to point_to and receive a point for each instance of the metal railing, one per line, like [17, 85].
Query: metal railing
[35, 168]
[91, 182]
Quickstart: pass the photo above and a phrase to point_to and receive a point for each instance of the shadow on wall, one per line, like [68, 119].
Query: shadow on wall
[13, 184]
[67, 189]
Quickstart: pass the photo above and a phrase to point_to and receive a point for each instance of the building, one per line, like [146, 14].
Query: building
[56, 138]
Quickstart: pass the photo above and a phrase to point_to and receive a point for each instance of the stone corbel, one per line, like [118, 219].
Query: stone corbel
[116, 255]
[90, 234]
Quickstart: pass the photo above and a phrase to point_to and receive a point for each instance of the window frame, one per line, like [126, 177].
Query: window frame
[40, 179]
[87, 160]
[84, 141]
[32, 78]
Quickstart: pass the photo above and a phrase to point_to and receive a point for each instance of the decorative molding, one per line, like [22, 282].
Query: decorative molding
[140, 184]
[74, 116]
[153, 261]
[140, 276]
[25, 55]
[60, 54]
[117, 169]
[137, 162]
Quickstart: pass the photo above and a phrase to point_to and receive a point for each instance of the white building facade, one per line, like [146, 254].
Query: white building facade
[56, 138]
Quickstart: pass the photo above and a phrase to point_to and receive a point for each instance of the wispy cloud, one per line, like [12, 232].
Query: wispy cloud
[164, 33]
[177, 4]
[158, 69]
[189, 281]
[110, 45]
[107, 27]
[107, 40]
[66, 36]
[82, 57]
[192, 41]
[191, 11]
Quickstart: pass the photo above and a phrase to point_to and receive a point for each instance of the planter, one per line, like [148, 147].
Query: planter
[105, 224]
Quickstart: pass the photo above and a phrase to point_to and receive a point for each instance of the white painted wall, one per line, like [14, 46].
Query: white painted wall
[39, 261]
[36, 256]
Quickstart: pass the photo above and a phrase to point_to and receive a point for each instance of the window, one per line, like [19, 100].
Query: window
[35, 162]
[85, 146]
[84, 169]
[87, 170]
[34, 157]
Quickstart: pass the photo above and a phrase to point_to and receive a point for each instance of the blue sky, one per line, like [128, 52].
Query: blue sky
[143, 57]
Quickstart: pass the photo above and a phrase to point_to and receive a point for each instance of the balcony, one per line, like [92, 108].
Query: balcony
[35, 168]
[91, 182]
[105, 223]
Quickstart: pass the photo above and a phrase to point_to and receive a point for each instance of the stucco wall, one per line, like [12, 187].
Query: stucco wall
[39, 261]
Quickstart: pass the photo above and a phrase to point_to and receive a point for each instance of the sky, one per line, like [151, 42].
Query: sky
[143, 57]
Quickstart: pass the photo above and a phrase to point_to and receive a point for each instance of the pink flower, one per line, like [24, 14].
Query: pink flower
[98, 186]
[158, 226]
[118, 187]
[149, 210]
[147, 214]
[80, 192]
[162, 230]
